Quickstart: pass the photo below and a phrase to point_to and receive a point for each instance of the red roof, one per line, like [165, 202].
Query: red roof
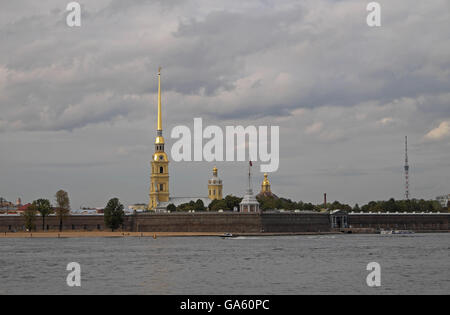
[24, 207]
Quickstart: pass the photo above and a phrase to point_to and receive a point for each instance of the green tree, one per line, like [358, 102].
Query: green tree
[30, 217]
[44, 207]
[437, 207]
[310, 207]
[114, 214]
[171, 207]
[199, 205]
[392, 206]
[232, 201]
[217, 205]
[62, 206]
[268, 202]
[189, 206]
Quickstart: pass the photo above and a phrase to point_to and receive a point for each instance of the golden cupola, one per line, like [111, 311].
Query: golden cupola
[265, 186]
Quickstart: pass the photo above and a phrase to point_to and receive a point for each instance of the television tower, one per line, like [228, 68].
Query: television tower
[406, 169]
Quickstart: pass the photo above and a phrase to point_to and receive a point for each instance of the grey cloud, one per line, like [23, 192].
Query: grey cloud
[207, 56]
[231, 62]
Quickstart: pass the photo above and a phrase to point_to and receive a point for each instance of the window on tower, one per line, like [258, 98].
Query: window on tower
[161, 187]
[161, 170]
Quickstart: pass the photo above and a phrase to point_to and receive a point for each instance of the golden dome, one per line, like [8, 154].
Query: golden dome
[266, 180]
[159, 140]
[265, 186]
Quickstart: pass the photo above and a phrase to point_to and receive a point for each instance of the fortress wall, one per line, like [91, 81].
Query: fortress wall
[72, 222]
[164, 222]
[198, 222]
[416, 222]
[185, 222]
[235, 222]
[295, 222]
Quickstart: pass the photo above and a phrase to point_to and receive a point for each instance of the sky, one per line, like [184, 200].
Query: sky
[78, 105]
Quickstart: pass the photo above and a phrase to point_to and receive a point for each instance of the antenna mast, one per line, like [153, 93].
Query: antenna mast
[406, 170]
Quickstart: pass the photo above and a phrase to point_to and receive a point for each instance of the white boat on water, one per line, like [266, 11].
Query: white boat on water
[395, 232]
[227, 235]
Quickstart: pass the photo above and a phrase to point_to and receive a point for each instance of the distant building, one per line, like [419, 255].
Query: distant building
[87, 211]
[443, 200]
[215, 187]
[23, 208]
[7, 207]
[339, 219]
[138, 207]
[5, 203]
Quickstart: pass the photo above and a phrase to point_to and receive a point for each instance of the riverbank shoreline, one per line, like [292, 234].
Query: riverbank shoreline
[105, 234]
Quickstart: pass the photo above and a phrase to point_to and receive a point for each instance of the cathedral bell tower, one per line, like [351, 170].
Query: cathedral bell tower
[215, 187]
[159, 187]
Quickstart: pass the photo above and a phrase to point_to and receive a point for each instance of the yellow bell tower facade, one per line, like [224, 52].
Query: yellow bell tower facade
[215, 187]
[159, 187]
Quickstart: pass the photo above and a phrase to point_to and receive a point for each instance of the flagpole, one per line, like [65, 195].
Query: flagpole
[249, 175]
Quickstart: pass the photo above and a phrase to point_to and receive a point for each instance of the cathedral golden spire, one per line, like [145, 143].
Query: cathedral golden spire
[159, 100]
[159, 180]
[159, 138]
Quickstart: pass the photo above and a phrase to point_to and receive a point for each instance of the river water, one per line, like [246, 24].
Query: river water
[335, 264]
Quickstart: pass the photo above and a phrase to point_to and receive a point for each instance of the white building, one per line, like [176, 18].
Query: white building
[443, 200]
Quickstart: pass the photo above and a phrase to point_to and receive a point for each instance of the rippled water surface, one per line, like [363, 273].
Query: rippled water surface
[411, 264]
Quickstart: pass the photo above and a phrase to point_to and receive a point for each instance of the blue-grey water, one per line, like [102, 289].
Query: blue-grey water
[335, 264]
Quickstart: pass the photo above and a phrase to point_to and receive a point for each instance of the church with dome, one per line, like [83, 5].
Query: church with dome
[266, 191]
